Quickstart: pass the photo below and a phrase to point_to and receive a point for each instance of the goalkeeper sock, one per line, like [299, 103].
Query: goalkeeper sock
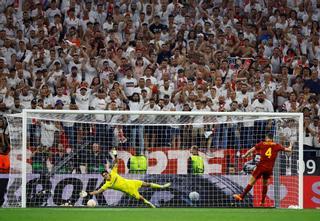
[156, 186]
[149, 203]
[246, 190]
[264, 193]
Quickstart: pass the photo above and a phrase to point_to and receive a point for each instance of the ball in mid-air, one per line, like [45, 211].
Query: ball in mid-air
[91, 203]
[194, 196]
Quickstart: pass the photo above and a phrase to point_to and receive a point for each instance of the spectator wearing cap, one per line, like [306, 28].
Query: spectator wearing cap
[59, 105]
[83, 97]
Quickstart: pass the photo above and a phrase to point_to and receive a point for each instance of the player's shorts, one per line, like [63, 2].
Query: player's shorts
[260, 171]
[133, 188]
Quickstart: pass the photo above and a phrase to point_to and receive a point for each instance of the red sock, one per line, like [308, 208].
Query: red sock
[246, 190]
[264, 192]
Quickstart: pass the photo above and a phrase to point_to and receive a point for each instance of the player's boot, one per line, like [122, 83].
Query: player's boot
[237, 197]
[262, 204]
[166, 185]
[149, 203]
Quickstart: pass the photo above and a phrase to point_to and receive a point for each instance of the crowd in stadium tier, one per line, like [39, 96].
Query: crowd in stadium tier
[190, 55]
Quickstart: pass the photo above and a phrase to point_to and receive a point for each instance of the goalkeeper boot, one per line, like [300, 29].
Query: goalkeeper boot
[237, 197]
[149, 203]
[166, 185]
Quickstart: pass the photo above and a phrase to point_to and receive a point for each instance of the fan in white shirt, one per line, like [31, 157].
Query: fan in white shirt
[83, 97]
[244, 93]
[47, 133]
[26, 97]
[128, 83]
[99, 103]
[60, 96]
[141, 86]
[261, 104]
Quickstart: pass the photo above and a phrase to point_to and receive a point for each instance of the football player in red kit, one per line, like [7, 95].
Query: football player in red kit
[268, 151]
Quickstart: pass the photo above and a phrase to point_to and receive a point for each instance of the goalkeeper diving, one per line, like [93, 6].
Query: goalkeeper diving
[131, 187]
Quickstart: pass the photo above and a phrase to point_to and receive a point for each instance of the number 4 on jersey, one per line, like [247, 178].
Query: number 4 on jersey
[268, 152]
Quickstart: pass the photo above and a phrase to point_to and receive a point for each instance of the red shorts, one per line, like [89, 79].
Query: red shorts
[266, 173]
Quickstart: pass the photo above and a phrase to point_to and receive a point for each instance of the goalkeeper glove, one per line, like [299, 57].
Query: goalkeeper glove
[83, 194]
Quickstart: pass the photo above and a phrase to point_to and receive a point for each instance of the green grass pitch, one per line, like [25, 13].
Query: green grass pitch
[163, 214]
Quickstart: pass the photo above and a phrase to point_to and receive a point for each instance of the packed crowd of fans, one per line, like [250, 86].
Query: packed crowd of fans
[189, 55]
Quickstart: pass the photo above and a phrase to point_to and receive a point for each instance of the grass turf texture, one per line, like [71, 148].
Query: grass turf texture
[163, 214]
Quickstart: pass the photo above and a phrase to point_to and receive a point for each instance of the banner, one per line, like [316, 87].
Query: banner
[311, 191]
[214, 191]
[165, 161]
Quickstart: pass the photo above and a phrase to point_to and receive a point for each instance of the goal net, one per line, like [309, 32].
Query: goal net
[57, 154]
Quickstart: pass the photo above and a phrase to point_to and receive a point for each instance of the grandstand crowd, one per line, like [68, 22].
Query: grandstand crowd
[160, 55]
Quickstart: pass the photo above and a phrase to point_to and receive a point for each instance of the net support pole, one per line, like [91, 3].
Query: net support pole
[301, 162]
[24, 161]
[276, 183]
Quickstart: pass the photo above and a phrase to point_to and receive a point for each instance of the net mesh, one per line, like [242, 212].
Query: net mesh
[67, 152]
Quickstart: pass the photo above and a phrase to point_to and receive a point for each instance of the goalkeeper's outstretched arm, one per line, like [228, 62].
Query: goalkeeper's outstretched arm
[97, 192]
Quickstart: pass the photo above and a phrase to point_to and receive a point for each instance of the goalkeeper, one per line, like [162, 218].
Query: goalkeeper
[131, 187]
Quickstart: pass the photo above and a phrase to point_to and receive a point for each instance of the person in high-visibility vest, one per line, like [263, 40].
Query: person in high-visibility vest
[195, 162]
[4, 159]
[138, 164]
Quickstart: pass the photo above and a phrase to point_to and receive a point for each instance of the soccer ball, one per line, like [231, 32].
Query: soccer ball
[91, 203]
[194, 196]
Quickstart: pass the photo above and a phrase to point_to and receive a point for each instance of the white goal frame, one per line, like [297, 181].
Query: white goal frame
[25, 113]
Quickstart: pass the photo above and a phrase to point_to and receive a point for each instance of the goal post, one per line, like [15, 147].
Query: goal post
[58, 153]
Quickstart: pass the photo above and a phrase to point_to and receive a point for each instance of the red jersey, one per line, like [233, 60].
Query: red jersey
[268, 152]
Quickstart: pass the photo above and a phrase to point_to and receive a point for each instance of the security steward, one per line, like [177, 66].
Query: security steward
[195, 162]
[138, 164]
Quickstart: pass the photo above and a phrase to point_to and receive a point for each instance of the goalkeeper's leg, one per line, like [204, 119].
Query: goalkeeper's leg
[156, 186]
[147, 202]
